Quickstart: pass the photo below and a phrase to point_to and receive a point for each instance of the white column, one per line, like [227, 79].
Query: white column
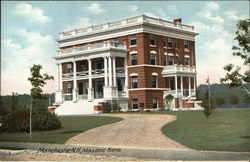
[105, 71]
[189, 86]
[110, 72]
[114, 71]
[194, 83]
[60, 77]
[126, 73]
[182, 85]
[74, 85]
[59, 92]
[90, 81]
[176, 86]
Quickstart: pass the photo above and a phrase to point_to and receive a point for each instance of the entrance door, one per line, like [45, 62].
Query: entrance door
[99, 89]
[172, 83]
[80, 88]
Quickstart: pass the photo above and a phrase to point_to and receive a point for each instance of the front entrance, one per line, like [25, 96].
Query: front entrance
[99, 84]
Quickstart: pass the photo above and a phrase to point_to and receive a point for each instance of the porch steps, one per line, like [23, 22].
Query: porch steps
[99, 108]
[82, 107]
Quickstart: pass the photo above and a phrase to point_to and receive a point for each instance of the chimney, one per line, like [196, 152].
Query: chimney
[177, 21]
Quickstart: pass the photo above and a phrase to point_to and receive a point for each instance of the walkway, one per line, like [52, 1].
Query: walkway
[135, 131]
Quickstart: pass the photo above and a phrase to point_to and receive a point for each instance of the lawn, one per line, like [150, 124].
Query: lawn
[224, 130]
[71, 126]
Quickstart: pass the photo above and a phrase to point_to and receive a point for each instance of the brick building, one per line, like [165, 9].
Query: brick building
[131, 61]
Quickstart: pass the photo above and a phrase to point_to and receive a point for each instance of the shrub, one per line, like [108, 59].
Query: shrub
[111, 107]
[18, 121]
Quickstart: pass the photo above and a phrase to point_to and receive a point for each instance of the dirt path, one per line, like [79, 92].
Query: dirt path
[141, 131]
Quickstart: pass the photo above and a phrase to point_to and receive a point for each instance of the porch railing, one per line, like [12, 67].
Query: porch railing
[82, 97]
[122, 94]
[68, 97]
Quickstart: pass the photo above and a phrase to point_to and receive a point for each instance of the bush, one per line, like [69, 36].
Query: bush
[18, 121]
[111, 107]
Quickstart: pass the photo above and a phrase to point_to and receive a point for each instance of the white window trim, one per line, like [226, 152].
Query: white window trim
[154, 73]
[133, 74]
[170, 54]
[133, 52]
[153, 52]
[187, 56]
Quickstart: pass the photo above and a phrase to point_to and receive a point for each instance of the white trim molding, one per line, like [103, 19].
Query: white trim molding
[133, 74]
[133, 52]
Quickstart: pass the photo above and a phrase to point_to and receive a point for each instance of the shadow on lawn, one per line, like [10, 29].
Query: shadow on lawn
[75, 131]
[245, 137]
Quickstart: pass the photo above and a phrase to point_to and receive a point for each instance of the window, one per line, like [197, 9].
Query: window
[152, 39]
[134, 82]
[165, 59]
[133, 40]
[170, 42]
[153, 59]
[116, 41]
[176, 43]
[69, 68]
[99, 65]
[155, 103]
[186, 44]
[135, 103]
[154, 81]
[165, 42]
[133, 59]
[177, 59]
[171, 60]
[186, 61]
[69, 87]
[82, 66]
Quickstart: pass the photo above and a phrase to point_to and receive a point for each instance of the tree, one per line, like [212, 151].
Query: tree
[234, 77]
[169, 98]
[234, 100]
[207, 106]
[14, 101]
[220, 101]
[38, 81]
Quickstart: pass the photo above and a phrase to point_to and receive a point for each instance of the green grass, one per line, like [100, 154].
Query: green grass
[224, 130]
[71, 126]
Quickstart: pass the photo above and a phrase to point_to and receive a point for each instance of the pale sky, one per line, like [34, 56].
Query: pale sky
[29, 31]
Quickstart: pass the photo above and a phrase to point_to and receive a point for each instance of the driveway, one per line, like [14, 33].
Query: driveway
[135, 131]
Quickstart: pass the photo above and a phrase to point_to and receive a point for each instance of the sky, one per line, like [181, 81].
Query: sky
[29, 31]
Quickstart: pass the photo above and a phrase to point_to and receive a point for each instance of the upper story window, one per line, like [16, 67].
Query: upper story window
[177, 59]
[165, 41]
[82, 66]
[155, 103]
[171, 60]
[134, 82]
[170, 42]
[176, 45]
[133, 41]
[186, 44]
[69, 68]
[154, 81]
[135, 103]
[133, 59]
[152, 39]
[186, 61]
[165, 59]
[153, 59]
[99, 65]
[116, 41]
